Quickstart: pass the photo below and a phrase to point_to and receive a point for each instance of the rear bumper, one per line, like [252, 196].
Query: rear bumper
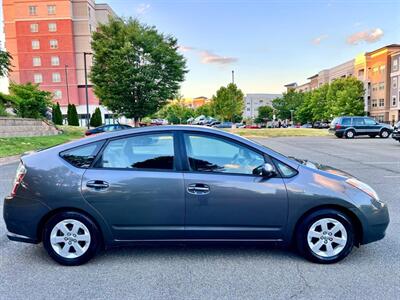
[22, 217]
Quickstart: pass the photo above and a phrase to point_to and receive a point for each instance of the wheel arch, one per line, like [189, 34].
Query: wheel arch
[50, 214]
[353, 217]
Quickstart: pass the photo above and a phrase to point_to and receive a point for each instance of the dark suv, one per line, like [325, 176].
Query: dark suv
[349, 127]
[396, 132]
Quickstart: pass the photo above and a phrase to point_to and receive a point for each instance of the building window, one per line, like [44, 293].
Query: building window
[89, 12]
[51, 9]
[34, 27]
[37, 62]
[394, 83]
[381, 85]
[382, 68]
[52, 27]
[57, 94]
[380, 118]
[32, 10]
[35, 44]
[56, 77]
[53, 44]
[90, 29]
[37, 78]
[55, 61]
[395, 64]
[381, 102]
[394, 102]
[374, 103]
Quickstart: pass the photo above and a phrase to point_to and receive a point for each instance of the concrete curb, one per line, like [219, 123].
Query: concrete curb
[9, 160]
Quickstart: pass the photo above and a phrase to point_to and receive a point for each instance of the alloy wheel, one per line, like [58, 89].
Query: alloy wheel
[70, 238]
[327, 237]
[385, 134]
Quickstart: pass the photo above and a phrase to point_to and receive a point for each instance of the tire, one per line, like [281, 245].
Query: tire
[384, 133]
[349, 134]
[310, 232]
[71, 238]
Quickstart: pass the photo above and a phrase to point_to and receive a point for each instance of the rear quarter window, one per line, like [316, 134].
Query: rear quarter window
[346, 121]
[82, 156]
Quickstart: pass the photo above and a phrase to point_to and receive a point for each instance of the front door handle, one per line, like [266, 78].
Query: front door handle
[198, 189]
[97, 184]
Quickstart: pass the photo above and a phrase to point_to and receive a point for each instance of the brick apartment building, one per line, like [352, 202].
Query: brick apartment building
[47, 40]
[378, 70]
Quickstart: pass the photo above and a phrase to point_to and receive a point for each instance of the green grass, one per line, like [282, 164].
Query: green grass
[18, 145]
[279, 132]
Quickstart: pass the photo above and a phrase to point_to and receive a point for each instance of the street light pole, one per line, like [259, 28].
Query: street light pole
[291, 116]
[66, 81]
[86, 88]
[233, 76]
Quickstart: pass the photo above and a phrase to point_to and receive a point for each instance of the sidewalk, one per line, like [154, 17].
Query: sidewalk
[9, 160]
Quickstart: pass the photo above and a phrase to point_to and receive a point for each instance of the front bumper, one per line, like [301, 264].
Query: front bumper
[22, 217]
[396, 135]
[377, 223]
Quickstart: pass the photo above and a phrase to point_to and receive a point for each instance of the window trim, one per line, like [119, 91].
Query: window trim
[176, 167]
[185, 158]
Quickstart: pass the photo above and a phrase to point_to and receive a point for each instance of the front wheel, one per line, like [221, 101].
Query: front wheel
[349, 134]
[325, 236]
[384, 133]
[71, 238]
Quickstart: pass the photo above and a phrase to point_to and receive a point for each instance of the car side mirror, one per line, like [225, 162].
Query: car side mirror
[266, 170]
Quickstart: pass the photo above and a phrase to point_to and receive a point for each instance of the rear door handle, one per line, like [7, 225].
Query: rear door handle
[198, 189]
[97, 184]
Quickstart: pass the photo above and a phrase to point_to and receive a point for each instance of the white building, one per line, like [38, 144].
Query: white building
[253, 101]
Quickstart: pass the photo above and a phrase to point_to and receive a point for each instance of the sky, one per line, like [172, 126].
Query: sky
[268, 43]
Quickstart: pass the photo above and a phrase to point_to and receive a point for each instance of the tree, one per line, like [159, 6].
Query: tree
[72, 115]
[136, 69]
[345, 97]
[291, 100]
[205, 110]
[5, 63]
[57, 115]
[228, 102]
[176, 113]
[265, 113]
[96, 120]
[29, 100]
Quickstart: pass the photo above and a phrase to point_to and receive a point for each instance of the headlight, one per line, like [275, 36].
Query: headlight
[363, 187]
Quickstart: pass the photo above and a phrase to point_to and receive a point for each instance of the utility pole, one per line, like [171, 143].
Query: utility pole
[233, 76]
[66, 81]
[86, 88]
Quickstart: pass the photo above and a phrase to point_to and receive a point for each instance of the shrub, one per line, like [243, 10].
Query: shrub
[72, 115]
[96, 119]
[57, 115]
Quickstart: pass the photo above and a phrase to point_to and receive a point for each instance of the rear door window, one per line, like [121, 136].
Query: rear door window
[369, 122]
[358, 122]
[83, 156]
[346, 121]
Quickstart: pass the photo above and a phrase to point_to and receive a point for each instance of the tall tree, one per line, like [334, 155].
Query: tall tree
[57, 115]
[136, 68]
[265, 113]
[72, 115]
[228, 102]
[96, 120]
[176, 113]
[291, 100]
[5, 63]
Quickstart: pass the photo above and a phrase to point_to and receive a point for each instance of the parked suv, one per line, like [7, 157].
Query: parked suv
[349, 127]
[396, 132]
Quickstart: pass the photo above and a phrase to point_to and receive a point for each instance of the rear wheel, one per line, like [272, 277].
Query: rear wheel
[71, 238]
[325, 236]
[350, 134]
[384, 133]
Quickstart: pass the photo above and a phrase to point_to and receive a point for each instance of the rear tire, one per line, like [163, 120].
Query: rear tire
[384, 133]
[349, 134]
[71, 238]
[325, 236]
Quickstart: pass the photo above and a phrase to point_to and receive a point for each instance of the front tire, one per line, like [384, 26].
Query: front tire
[325, 236]
[71, 238]
[384, 133]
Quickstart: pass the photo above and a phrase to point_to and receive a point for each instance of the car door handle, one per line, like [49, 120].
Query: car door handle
[198, 189]
[97, 184]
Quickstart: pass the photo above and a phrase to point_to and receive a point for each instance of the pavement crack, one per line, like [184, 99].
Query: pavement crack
[305, 286]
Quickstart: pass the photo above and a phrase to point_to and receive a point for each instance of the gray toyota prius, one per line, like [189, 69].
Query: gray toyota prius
[186, 184]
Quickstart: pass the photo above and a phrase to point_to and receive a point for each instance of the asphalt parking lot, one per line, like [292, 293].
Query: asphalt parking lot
[226, 272]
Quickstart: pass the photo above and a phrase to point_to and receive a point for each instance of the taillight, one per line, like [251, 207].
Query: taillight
[19, 176]
[337, 126]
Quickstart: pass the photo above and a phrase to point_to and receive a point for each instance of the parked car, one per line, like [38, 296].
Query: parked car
[307, 125]
[107, 128]
[252, 126]
[320, 125]
[213, 123]
[183, 184]
[349, 127]
[396, 132]
[224, 125]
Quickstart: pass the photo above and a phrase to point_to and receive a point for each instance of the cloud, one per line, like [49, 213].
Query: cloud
[208, 57]
[368, 36]
[142, 8]
[319, 39]
[185, 48]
